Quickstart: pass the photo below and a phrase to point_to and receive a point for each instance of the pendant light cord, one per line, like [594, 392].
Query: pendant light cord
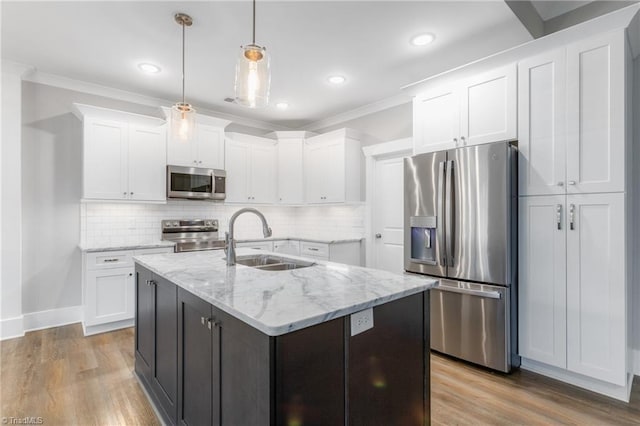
[183, 33]
[254, 21]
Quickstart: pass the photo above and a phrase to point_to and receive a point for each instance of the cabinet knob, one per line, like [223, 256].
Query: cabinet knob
[195, 161]
[560, 184]
[131, 193]
[463, 140]
[130, 274]
[378, 235]
[200, 162]
[455, 140]
[124, 193]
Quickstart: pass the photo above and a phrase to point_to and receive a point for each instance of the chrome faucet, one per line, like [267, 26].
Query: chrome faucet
[229, 243]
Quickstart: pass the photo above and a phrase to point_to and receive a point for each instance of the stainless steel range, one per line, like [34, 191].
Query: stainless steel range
[192, 234]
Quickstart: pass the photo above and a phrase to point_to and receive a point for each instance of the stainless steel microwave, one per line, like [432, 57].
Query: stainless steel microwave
[195, 183]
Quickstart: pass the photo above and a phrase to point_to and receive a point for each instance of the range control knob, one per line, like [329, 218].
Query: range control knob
[175, 223]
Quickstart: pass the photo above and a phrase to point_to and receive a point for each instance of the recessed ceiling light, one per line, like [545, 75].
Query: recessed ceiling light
[336, 79]
[149, 68]
[282, 105]
[422, 39]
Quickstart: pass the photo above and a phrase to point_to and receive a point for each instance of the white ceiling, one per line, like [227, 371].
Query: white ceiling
[368, 42]
[548, 9]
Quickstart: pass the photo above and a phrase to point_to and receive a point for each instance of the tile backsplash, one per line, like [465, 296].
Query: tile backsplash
[109, 224]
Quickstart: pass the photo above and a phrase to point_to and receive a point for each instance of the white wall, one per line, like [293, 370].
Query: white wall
[636, 185]
[10, 291]
[386, 125]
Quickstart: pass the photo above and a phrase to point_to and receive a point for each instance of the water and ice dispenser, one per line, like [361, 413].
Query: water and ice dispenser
[423, 239]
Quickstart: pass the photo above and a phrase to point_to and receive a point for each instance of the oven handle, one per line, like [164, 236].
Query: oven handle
[480, 293]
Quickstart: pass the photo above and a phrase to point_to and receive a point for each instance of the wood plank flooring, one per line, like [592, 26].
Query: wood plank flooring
[68, 379]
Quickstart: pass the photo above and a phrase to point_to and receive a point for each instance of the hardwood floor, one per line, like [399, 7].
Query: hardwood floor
[67, 379]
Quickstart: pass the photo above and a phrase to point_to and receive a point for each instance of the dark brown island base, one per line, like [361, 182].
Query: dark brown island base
[202, 366]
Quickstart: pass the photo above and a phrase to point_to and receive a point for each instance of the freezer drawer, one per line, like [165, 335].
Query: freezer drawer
[472, 322]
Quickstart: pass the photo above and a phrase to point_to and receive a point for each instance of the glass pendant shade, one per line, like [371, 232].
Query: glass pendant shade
[183, 122]
[253, 76]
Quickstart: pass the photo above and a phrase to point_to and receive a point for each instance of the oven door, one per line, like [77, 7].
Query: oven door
[195, 183]
[471, 321]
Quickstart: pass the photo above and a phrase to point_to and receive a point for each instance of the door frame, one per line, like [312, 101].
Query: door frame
[373, 153]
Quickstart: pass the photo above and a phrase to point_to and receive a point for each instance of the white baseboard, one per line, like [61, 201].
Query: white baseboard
[90, 330]
[621, 393]
[52, 318]
[12, 327]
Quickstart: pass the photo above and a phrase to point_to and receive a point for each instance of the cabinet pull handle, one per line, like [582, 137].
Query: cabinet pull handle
[572, 182]
[462, 140]
[559, 215]
[151, 282]
[313, 249]
[111, 260]
[572, 209]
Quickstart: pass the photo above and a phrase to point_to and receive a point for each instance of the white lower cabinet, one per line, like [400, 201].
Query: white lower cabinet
[287, 247]
[573, 288]
[109, 289]
[256, 245]
[339, 252]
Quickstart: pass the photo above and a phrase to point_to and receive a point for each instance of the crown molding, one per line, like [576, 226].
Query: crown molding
[381, 105]
[124, 95]
[16, 68]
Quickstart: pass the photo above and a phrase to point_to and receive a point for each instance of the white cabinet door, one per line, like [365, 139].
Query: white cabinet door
[237, 167]
[209, 144]
[596, 299]
[262, 183]
[488, 107]
[109, 295]
[436, 120]
[541, 124]
[596, 114]
[316, 167]
[290, 171]
[542, 279]
[147, 163]
[287, 247]
[105, 159]
[334, 184]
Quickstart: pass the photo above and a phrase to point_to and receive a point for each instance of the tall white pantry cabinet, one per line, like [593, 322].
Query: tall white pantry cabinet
[574, 213]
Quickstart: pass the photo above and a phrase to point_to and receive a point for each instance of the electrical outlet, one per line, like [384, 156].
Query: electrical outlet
[361, 321]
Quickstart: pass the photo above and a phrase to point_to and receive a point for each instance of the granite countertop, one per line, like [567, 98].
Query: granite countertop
[278, 302]
[125, 246]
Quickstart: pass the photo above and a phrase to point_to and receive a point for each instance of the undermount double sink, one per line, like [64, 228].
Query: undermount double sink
[268, 262]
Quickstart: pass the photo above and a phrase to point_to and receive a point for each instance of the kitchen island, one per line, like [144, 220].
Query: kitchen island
[324, 344]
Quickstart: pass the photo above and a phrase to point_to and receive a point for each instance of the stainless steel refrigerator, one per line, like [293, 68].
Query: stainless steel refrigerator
[460, 225]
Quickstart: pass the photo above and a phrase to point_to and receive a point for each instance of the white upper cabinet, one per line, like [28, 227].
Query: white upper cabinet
[489, 107]
[124, 155]
[333, 167]
[541, 124]
[596, 114]
[251, 169]
[572, 119]
[436, 120]
[205, 149]
[473, 111]
[290, 169]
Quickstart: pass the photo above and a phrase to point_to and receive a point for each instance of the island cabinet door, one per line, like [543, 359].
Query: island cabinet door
[144, 323]
[388, 365]
[310, 374]
[198, 362]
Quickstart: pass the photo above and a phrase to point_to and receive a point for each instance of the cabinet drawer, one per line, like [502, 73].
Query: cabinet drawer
[261, 246]
[314, 249]
[109, 259]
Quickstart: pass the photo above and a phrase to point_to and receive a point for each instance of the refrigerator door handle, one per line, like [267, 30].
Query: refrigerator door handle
[449, 224]
[470, 292]
[440, 222]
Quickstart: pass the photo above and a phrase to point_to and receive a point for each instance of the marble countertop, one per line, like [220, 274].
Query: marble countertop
[125, 246]
[278, 302]
[155, 244]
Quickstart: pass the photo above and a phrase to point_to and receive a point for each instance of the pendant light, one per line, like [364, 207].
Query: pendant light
[253, 75]
[183, 115]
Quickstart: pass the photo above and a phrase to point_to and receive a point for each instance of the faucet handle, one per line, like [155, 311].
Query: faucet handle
[268, 232]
